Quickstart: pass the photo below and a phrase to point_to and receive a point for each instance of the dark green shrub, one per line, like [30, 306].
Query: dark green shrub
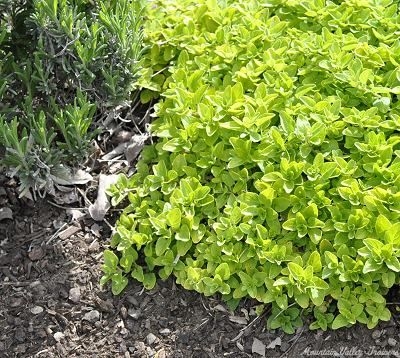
[64, 62]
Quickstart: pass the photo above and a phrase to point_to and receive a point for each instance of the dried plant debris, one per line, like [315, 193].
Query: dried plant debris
[6, 213]
[99, 208]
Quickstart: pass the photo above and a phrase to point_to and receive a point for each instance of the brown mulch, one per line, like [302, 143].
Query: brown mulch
[51, 303]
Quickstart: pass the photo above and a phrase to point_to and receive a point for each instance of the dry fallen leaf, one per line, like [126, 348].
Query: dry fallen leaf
[76, 214]
[37, 253]
[65, 195]
[258, 347]
[95, 229]
[131, 148]
[6, 213]
[118, 150]
[245, 312]
[238, 320]
[100, 207]
[36, 310]
[220, 308]
[276, 342]
[240, 346]
[76, 178]
[135, 146]
[68, 232]
[121, 137]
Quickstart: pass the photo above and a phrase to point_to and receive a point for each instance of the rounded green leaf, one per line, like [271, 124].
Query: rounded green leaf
[339, 322]
[223, 271]
[118, 283]
[174, 218]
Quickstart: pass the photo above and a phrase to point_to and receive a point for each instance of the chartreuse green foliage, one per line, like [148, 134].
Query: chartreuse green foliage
[61, 60]
[277, 172]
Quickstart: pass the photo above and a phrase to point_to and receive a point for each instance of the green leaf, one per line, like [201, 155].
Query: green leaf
[110, 261]
[318, 133]
[296, 270]
[149, 280]
[383, 104]
[281, 203]
[317, 297]
[339, 322]
[287, 122]
[173, 145]
[315, 235]
[371, 266]
[375, 246]
[179, 163]
[303, 300]
[282, 281]
[183, 247]
[393, 264]
[185, 188]
[162, 245]
[129, 256]
[357, 309]
[385, 314]
[118, 283]
[331, 259]
[376, 297]
[382, 225]
[174, 217]
[183, 234]
[388, 279]
[137, 273]
[223, 271]
[282, 301]
[290, 225]
[320, 284]
[241, 147]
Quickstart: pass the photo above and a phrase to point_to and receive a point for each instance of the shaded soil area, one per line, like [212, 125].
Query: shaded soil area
[51, 304]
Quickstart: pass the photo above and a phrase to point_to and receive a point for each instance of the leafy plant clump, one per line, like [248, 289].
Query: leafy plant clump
[64, 63]
[277, 172]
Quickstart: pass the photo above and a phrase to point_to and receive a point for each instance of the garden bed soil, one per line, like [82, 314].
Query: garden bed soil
[51, 303]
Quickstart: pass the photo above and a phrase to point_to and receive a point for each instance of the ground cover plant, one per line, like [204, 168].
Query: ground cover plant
[64, 64]
[276, 171]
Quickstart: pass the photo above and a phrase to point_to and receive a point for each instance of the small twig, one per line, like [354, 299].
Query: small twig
[65, 47]
[112, 160]
[146, 115]
[201, 324]
[65, 207]
[18, 284]
[33, 236]
[87, 201]
[207, 309]
[293, 344]
[40, 352]
[130, 114]
[109, 225]
[130, 120]
[136, 102]
[56, 233]
[249, 325]
[160, 71]
[294, 303]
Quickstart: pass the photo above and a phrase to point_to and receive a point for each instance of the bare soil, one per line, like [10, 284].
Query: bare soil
[51, 304]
